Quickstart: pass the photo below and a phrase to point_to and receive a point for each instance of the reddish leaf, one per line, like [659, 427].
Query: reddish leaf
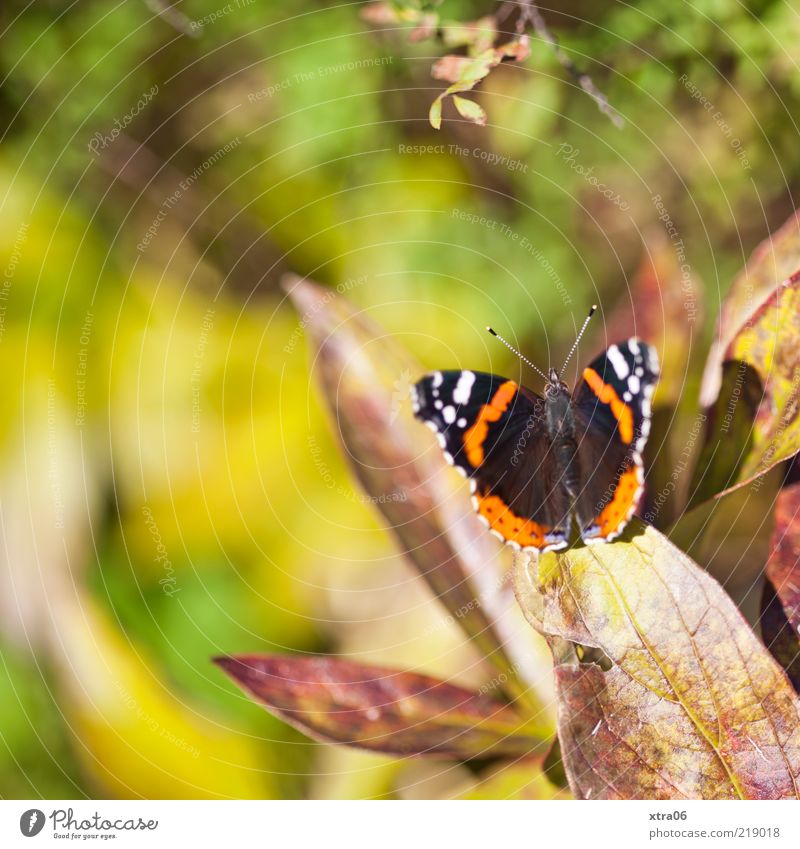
[683, 701]
[366, 380]
[371, 707]
[778, 634]
[380, 14]
[781, 614]
[450, 68]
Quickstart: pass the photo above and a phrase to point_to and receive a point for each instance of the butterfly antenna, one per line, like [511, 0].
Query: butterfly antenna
[577, 340]
[514, 350]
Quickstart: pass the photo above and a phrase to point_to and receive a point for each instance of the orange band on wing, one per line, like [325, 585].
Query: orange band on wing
[491, 412]
[607, 395]
[513, 528]
[620, 509]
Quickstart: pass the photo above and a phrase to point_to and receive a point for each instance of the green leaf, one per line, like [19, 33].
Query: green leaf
[366, 380]
[435, 113]
[371, 707]
[470, 110]
[729, 536]
[691, 705]
[728, 435]
[770, 342]
[776, 259]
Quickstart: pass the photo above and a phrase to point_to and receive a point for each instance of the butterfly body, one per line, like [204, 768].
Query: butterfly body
[537, 464]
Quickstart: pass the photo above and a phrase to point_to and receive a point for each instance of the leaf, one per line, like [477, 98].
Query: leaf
[366, 381]
[773, 261]
[778, 634]
[692, 705]
[380, 14]
[470, 110]
[451, 68]
[781, 605]
[729, 536]
[770, 342]
[371, 707]
[728, 435]
[435, 113]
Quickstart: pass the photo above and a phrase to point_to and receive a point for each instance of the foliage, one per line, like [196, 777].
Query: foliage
[664, 689]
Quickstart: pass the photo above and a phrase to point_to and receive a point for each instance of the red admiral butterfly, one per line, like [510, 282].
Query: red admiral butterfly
[534, 462]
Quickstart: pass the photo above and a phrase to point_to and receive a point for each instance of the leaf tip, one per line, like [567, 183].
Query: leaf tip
[435, 114]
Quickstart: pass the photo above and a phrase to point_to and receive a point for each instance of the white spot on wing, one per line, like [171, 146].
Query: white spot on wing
[652, 359]
[449, 414]
[621, 368]
[634, 384]
[464, 387]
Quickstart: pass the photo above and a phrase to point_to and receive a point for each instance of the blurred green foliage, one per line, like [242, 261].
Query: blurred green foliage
[286, 136]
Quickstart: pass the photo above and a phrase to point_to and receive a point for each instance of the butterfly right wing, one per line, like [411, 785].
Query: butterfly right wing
[612, 416]
[493, 431]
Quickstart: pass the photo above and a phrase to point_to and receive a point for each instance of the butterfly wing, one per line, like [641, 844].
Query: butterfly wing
[612, 414]
[493, 431]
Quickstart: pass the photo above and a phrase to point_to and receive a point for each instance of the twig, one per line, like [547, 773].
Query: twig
[529, 15]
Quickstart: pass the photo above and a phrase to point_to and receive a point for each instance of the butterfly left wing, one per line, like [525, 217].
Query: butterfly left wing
[492, 430]
[612, 413]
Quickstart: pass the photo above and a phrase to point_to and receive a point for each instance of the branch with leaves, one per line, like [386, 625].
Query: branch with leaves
[486, 46]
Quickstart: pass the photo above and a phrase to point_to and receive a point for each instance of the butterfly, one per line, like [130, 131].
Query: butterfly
[537, 463]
